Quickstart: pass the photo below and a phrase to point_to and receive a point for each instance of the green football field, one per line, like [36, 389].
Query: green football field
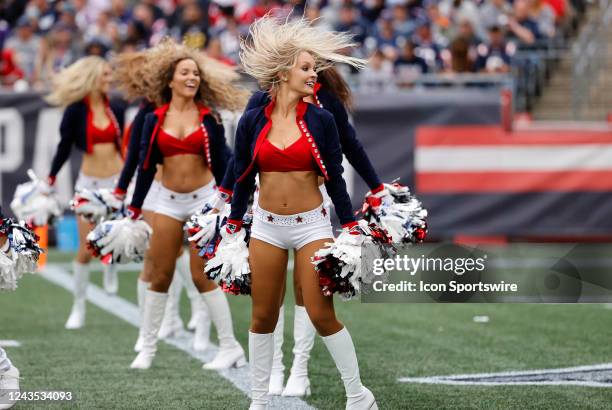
[392, 341]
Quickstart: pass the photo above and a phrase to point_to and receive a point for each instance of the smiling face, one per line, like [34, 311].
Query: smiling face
[302, 76]
[185, 81]
[104, 81]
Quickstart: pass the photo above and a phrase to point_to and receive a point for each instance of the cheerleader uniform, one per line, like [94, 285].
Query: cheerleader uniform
[304, 331]
[156, 144]
[318, 148]
[77, 129]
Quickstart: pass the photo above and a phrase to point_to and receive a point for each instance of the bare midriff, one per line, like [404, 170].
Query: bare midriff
[288, 193]
[185, 173]
[103, 162]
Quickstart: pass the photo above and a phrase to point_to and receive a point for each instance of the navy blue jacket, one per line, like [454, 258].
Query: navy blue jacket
[214, 149]
[318, 126]
[73, 131]
[133, 151]
[351, 147]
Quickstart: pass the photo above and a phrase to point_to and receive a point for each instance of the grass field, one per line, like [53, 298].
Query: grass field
[392, 341]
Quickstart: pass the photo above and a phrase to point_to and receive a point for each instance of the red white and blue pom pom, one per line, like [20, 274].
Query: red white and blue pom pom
[397, 211]
[94, 206]
[204, 229]
[120, 241]
[19, 254]
[35, 202]
[344, 265]
[229, 265]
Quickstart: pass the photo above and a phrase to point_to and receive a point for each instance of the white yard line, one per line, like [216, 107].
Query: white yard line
[10, 343]
[466, 379]
[128, 312]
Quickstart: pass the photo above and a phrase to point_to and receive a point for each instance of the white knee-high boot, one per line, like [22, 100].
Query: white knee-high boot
[230, 352]
[80, 272]
[9, 381]
[277, 377]
[342, 350]
[304, 333]
[154, 306]
[172, 324]
[183, 269]
[261, 351]
[111, 280]
[141, 289]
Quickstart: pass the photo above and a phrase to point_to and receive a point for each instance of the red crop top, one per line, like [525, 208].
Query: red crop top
[296, 157]
[100, 136]
[170, 145]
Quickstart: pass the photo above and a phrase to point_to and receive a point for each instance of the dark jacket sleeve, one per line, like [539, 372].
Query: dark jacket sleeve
[242, 159]
[119, 106]
[133, 151]
[145, 176]
[351, 147]
[220, 153]
[335, 185]
[229, 179]
[258, 99]
[67, 137]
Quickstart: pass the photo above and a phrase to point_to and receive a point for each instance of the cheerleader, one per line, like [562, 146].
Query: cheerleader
[332, 94]
[186, 137]
[94, 125]
[131, 78]
[9, 374]
[289, 143]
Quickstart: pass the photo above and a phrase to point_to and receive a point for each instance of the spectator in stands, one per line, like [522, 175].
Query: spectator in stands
[378, 74]
[460, 10]
[26, 47]
[9, 71]
[544, 16]
[521, 26]
[192, 26]
[371, 10]
[44, 14]
[214, 50]
[427, 48]
[460, 60]
[56, 52]
[494, 57]
[386, 36]
[402, 24]
[408, 66]
[349, 21]
[495, 13]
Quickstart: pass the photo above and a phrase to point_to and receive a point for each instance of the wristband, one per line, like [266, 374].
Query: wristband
[233, 226]
[134, 213]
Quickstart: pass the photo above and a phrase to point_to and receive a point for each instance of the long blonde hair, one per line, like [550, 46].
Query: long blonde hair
[76, 81]
[273, 46]
[130, 74]
[216, 79]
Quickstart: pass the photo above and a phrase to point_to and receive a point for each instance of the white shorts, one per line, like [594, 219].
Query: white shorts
[150, 202]
[291, 231]
[181, 206]
[92, 183]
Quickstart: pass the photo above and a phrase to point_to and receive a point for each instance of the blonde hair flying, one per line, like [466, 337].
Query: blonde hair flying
[76, 81]
[129, 74]
[274, 45]
[217, 90]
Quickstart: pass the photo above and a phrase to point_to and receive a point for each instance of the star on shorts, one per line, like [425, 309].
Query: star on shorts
[270, 218]
[299, 219]
[324, 212]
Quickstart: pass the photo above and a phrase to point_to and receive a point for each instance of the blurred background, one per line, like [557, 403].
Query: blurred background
[495, 112]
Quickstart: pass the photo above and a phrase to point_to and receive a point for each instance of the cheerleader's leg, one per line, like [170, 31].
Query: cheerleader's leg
[143, 282]
[230, 352]
[335, 336]
[166, 241]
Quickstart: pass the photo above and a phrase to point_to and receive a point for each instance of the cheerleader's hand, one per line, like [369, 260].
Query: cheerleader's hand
[378, 198]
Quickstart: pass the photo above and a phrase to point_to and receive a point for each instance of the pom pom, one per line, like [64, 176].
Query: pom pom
[120, 241]
[35, 202]
[19, 254]
[344, 265]
[399, 212]
[93, 206]
[204, 230]
[229, 264]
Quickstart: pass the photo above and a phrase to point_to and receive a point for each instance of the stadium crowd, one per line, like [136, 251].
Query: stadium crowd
[402, 38]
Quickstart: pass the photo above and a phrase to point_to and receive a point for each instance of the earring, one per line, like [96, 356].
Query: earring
[284, 78]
